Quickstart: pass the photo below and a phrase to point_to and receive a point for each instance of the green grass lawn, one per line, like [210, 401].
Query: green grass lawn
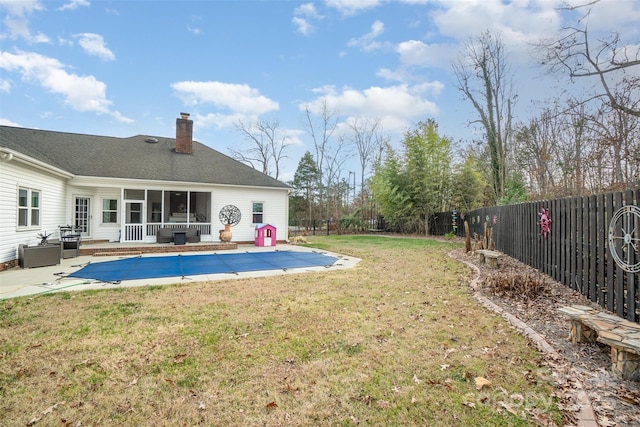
[397, 340]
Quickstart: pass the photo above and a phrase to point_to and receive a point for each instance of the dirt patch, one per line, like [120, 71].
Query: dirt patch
[616, 402]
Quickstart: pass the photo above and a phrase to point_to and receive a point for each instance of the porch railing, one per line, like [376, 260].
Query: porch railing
[133, 232]
[204, 228]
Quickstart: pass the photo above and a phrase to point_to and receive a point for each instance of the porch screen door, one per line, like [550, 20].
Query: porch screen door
[82, 217]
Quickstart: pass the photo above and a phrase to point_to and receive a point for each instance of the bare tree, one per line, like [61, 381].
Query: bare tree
[484, 79]
[333, 184]
[616, 138]
[267, 146]
[609, 60]
[321, 126]
[368, 139]
[321, 133]
[535, 145]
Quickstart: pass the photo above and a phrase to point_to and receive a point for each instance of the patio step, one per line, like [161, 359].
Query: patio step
[154, 248]
[117, 253]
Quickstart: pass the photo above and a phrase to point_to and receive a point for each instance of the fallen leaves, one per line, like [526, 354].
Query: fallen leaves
[271, 405]
[383, 404]
[482, 382]
[44, 413]
[179, 358]
[509, 407]
[612, 402]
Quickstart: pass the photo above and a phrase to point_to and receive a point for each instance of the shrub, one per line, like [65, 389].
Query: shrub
[514, 284]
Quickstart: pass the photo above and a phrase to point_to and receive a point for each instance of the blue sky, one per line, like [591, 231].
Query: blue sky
[123, 68]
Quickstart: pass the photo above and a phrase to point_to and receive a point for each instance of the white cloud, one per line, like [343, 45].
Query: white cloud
[74, 4]
[21, 7]
[19, 28]
[195, 28]
[415, 57]
[82, 93]
[463, 19]
[294, 136]
[352, 7]
[238, 98]
[524, 23]
[616, 15]
[304, 15]
[368, 41]
[520, 24]
[219, 121]
[418, 53]
[303, 25]
[397, 107]
[306, 9]
[7, 122]
[5, 86]
[16, 28]
[94, 45]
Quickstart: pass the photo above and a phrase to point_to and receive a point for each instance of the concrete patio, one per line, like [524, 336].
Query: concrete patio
[17, 282]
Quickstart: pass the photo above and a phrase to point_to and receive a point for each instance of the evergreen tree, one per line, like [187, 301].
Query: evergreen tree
[411, 186]
[469, 185]
[306, 183]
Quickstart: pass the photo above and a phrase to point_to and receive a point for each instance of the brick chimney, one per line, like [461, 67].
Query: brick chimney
[184, 134]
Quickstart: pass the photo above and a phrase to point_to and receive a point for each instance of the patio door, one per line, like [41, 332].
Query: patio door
[82, 216]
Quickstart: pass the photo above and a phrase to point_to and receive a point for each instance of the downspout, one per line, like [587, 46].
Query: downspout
[286, 222]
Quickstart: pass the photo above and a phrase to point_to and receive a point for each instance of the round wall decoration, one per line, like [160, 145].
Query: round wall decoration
[230, 214]
[624, 238]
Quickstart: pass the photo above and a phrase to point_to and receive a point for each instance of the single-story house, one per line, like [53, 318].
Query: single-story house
[126, 189]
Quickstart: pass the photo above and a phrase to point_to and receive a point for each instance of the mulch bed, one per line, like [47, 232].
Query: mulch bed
[616, 402]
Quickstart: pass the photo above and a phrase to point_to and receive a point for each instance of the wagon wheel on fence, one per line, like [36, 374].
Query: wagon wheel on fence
[624, 238]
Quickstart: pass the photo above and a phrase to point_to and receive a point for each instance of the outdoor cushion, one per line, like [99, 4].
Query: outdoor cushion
[193, 235]
[164, 235]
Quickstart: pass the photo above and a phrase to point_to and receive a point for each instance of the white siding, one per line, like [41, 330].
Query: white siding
[276, 210]
[98, 230]
[58, 196]
[52, 212]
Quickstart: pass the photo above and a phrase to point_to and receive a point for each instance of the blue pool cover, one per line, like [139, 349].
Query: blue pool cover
[191, 265]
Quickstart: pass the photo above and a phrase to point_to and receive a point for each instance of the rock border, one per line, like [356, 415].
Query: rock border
[584, 413]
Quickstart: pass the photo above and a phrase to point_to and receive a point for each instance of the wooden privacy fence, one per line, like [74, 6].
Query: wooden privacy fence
[576, 251]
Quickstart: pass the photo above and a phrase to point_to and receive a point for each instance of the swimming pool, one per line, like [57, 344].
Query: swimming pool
[191, 265]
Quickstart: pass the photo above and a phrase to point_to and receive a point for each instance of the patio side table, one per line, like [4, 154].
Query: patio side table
[179, 237]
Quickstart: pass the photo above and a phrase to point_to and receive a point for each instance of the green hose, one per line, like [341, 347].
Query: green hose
[86, 282]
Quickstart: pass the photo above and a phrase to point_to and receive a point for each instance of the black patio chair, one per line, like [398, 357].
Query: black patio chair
[69, 241]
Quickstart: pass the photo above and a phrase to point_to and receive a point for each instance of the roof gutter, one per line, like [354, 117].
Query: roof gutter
[8, 155]
[100, 181]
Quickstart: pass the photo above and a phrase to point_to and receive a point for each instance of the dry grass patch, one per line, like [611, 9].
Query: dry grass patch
[395, 341]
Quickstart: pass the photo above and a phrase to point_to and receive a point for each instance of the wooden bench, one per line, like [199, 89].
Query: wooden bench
[590, 325]
[489, 257]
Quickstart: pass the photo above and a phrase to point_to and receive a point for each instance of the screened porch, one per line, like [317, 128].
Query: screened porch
[146, 211]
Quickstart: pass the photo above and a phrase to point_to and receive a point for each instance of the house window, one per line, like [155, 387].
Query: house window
[109, 211]
[257, 212]
[28, 208]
